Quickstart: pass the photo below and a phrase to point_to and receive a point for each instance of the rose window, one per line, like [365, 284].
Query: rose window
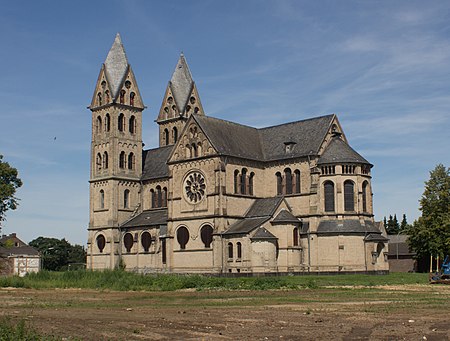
[195, 186]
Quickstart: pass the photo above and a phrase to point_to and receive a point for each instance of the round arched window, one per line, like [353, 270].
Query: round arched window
[182, 237]
[146, 241]
[207, 235]
[101, 242]
[128, 241]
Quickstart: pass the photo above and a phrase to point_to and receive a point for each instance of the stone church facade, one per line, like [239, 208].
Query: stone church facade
[219, 197]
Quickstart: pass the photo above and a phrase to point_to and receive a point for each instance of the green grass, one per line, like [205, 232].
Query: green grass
[123, 281]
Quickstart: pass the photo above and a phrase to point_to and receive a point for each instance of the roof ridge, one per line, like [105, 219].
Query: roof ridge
[293, 122]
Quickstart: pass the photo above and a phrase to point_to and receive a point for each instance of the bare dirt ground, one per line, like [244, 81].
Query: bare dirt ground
[410, 312]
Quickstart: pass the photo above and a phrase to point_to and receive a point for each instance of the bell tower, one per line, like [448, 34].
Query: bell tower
[181, 99]
[116, 156]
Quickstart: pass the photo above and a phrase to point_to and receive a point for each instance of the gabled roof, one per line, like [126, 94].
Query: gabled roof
[148, 218]
[246, 225]
[306, 135]
[154, 163]
[181, 83]
[266, 144]
[25, 250]
[286, 217]
[116, 65]
[260, 212]
[264, 207]
[230, 138]
[262, 233]
[375, 237]
[339, 151]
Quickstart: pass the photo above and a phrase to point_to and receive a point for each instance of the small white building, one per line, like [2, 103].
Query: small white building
[16, 257]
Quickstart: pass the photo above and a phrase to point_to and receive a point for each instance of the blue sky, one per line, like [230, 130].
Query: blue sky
[382, 66]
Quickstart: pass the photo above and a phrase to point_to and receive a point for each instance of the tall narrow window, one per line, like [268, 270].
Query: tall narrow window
[158, 196]
[295, 236]
[153, 198]
[102, 198]
[250, 183]
[98, 161]
[107, 123]
[120, 122]
[297, 181]
[236, 181]
[244, 181]
[122, 96]
[132, 98]
[194, 150]
[207, 235]
[126, 198]
[182, 237]
[164, 197]
[364, 196]
[166, 137]
[132, 125]
[349, 196]
[99, 98]
[122, 160]
[239, 250]
[131, 161]
[279, 183]
[329, 196]
[106, 96]
[288, 180]
[105, 160]
[98, 126]
[230, 250]
[163, 251]
[175, 134]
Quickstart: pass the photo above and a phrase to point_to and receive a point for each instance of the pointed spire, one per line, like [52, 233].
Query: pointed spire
[116, 65]
[181, 83]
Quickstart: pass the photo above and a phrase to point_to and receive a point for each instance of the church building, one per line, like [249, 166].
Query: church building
[218, 197]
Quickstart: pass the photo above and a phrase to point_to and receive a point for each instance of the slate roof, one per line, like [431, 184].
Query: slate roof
[346, 226]
[246, 225]
[260, 212]
[266, 144]
[20, 250]
[339, 151]
[154, 163]
[148, 218]
[398, 243]
[262, 233]
[264, 207]
[116, 65]
[375, 237]
[181, 83]
[306, 134]
[286, 217]
[230, 138]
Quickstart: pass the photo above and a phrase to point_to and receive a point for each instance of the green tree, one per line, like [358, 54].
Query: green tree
[430, 234]
[9, 182]
[404, 224]
[392, 225]
[57, 254]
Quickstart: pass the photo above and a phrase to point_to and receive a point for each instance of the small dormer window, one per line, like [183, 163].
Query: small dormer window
[289, 146]
[335, 131]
